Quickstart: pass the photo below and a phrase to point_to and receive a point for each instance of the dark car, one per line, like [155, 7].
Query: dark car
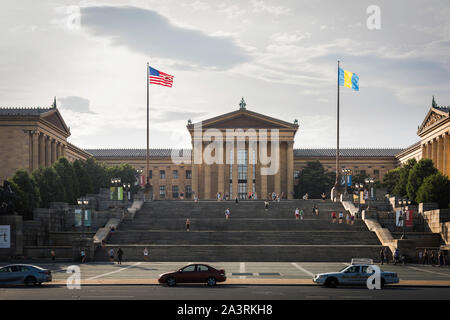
[24, 274]
[193, 273]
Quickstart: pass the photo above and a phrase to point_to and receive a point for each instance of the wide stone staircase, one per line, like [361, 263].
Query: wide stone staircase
[250, 234]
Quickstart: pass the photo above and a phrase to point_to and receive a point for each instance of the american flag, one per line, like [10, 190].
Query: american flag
[161, 78]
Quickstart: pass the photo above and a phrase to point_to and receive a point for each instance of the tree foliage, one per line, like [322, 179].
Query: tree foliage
[435, 188]
[390, 180]
[69, 179]
[314, 180]
[27, 193]
[50, 186]
[417, 175]
[400, 186]
[85, 185]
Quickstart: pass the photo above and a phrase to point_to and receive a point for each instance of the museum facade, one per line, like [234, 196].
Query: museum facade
[233, 153]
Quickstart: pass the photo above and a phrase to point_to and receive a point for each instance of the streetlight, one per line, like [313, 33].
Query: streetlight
[359, 186]
[127, 187]
[402, 204]
[346, 173]
[369, 182]
[83, 202]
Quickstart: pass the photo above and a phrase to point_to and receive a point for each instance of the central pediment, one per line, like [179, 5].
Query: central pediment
[245, 119]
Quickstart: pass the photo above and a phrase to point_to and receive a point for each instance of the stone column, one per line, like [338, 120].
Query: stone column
[221, 173]
[290, 169]
[207, 180]
[63, 150]
[434, 155]
[249, 169]
[235, 171]
[263, 194]
[53, 147]
[277, 178]
[48, 152]
[440, 154]
[429, 149]
[42, 150]
[446, 162]
[424, 150]
[35, 146]
[196, 156]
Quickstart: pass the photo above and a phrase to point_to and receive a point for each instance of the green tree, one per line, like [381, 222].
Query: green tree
[314, 180]
[435, 188]
[50, 186]
[84, 180]
[400, 186]
[98, 174]
[417, 175]
[390, 179]
[27, 193]
[68, 178]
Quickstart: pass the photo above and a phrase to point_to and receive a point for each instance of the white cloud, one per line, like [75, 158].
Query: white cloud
[261, 6]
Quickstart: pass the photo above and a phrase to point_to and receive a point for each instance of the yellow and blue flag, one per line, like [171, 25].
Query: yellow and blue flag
[348, 79]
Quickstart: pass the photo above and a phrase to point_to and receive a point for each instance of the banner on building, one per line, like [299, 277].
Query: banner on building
[361, 197]
[112, 193]
[120, 193]
[355, 198]
[77, 218]
[349, 181]
[87, 218]
[343, 181]
[409, 218]
[399, 218]
[5, 236]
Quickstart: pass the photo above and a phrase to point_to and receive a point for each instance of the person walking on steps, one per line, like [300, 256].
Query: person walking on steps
[297, 214]
[188, 224]
[227, 213]
[145, 254]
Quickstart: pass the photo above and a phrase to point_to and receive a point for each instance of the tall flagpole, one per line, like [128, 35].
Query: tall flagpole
[337, 135]
[148, 150]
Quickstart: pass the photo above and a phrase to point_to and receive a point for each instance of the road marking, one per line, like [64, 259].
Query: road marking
[242, 269]
[303, 269]
[356, 297]
[434, 272]
[317, 297]
[112, 272]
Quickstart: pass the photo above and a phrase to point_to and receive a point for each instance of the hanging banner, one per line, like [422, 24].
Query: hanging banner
[87, 218]
[77, 218]
[5, 236]
[355, 198]
[349, 181]
[112, 193]
[409, 218]
[120, 193]
[343, 181]
[399, 218]
[361, 197]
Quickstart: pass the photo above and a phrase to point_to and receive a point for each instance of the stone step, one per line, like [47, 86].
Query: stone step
[243, 237]
[242, 253]
[249, 224]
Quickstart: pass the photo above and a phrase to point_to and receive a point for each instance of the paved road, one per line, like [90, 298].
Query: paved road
[221, 292]
[237, 270]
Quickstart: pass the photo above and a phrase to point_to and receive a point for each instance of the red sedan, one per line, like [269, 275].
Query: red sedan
[193, 273]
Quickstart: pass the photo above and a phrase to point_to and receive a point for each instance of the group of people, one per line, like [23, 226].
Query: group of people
[431, 258]
[349, 218]
[112, 255]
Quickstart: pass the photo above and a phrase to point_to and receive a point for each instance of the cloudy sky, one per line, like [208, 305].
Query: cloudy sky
[281, 56]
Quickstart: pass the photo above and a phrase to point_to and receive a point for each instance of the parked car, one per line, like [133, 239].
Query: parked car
[355, 274]
[193, 273]
[24, 274]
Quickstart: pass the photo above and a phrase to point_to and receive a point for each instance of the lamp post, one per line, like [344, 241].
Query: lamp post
[359, 186]
[83, 202]
[126, 187]
[402, 204]
[346, 172]
[115, 182]
[369, 182]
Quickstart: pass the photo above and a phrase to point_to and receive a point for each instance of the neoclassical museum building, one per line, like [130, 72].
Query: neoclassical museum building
[34, 137]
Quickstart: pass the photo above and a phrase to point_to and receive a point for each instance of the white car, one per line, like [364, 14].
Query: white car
[355, 274]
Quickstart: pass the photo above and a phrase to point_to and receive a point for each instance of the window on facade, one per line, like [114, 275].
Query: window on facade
[162, 174]
[175, 174]
[188, 174]
[162, 192]
[362, 172]
[376, 173]
[296, 174]
[174, 192]
[188, 191]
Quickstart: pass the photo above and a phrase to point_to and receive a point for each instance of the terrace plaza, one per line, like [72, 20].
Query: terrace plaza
[33, 137]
